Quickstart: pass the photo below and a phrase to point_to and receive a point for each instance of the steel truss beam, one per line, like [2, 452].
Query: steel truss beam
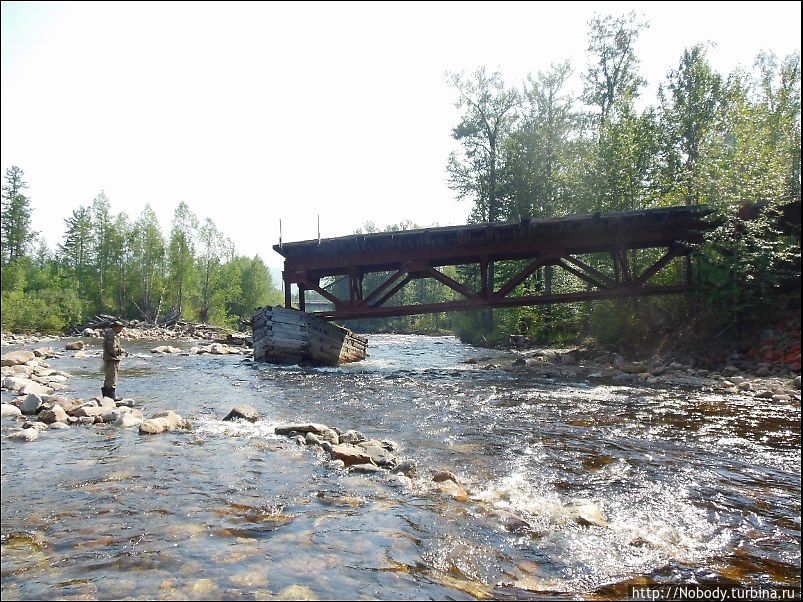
[602, 286]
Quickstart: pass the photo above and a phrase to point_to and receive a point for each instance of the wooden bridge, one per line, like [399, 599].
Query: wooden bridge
[613, 240]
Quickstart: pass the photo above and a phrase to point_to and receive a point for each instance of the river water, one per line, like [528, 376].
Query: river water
[695, 487]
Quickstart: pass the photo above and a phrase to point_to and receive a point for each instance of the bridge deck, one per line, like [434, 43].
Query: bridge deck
[455, 245]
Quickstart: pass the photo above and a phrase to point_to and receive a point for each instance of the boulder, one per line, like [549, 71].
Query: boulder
[128, 419]
[585, 512]
[729, 371]
[312, 439]
[76, 346]
[243, 412]
[796, 383]
[350, 454]
[379, 455]
[68, 405]
[44, 352]
[309, 427]
[86, 411]
[80, 355]
[352, 437]
[163, 422]
[36, 389]
[443, 476]
[405, 467]
[512, 522]
[55, 414]
[25, 435]
[365, 469]
[31, 404]
[165, 349]
[9, 411]
[15, 358]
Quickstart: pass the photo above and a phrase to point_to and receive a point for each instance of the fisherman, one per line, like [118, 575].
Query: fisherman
[112, 353]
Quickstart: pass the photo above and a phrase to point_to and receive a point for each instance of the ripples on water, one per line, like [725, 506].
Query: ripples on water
[695, 487]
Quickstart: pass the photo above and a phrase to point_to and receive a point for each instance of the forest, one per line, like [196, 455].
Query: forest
[537, 150]
[719, 140]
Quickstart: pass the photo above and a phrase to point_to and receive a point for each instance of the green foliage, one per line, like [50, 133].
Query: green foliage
[107, 263]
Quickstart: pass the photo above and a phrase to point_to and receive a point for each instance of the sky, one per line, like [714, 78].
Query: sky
[254, 113]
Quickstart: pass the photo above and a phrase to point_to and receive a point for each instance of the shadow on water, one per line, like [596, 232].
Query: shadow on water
[693, 487]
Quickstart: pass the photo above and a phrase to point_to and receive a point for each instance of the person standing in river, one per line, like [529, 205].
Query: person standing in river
[112, 353]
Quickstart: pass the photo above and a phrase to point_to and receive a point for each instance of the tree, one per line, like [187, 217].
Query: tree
[613, 73]
[489, 112]
[690, 111]
[540, 146]
[75, 251]
[103, 246]
[211, 248]
[181, 254]
[147, 267]
[16, 217]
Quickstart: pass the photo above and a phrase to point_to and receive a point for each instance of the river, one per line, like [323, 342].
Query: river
[696, 487]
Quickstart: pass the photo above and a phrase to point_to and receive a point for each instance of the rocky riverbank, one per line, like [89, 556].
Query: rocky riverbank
[590, 364]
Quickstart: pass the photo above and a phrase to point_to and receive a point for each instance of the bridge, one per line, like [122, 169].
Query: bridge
[627, 250]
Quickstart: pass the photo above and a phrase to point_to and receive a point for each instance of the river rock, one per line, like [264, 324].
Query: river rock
[54, 414]
[745, 386]
[350, 454]
[76, 346]
[110, 416]
[763, 370]
[89, 332]
[129, 419]
[15, 358]
[511, 522]
[36, 389]
[405, 467]
[453, 489]
[59, 425]
[764, 395]
[106, 402]
[781, 397]
[39, 426]
[165, 349]
[80, 355]
[379, 455]
[585, 512]
[25, 435]
[365, 469]
[308, 427]
[312, 439]
[163, 422]
[44, 352]
[444, 475]
[68, 405]
[31, 404]
[729, 371]
[796, 383]
[243, 412]
[633, 367]
[326, 446]
[9, 411]
[89, 411]
[20, 370]
[352, 437]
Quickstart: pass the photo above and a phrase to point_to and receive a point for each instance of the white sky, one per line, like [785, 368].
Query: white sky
[254, 112]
